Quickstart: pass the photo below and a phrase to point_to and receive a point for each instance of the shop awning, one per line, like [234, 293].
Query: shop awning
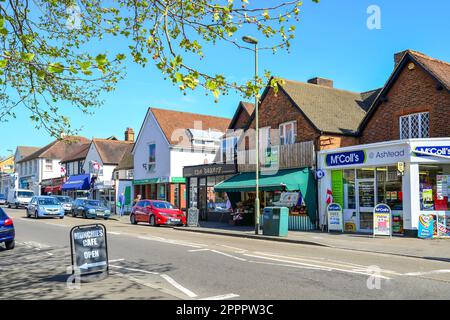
[293, 179]
[78, 182]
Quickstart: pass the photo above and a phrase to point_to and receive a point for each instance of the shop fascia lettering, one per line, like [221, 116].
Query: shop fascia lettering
[424, 151]
[359, 157]
[345, 158]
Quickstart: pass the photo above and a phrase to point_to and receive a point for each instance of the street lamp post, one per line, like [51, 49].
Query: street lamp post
[254, 41]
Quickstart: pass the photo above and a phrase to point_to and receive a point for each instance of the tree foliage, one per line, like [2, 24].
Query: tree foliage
[47, 62]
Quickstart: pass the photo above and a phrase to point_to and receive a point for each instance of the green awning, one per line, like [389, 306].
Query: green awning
[294, 179]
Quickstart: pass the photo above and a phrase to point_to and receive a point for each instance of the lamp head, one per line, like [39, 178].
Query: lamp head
[250, 40]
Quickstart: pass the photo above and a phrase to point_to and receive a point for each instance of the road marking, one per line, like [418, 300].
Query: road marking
[113, 232]
[176, 242]
[57, 225]
[116, 260]
[132, 269]
[287, 265]
[186, 291]
[229, 255]
[426, 272]
[198, 250]
[324, 268]
[49, 253]
[222, 297]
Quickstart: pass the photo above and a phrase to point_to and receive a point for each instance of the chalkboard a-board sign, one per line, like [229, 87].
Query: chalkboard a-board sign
[192, 218]
[89, 249]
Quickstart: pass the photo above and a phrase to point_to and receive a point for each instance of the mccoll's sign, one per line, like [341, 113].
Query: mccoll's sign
[345, 158]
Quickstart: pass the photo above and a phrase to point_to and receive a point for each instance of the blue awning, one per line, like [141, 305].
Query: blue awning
[78, 182]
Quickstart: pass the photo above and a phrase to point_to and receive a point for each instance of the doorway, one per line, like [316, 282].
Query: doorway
[365, 203]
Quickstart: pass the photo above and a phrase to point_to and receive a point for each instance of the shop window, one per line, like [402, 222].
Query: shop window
[349, 189]
[288, 132]
[365, 173]
[434, 187]
[415, 126]
[176, 197]
[228, 149]
[389, 188]
[193, 193]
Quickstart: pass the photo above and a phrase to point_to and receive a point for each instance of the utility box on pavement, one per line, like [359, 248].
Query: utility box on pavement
[276, 221]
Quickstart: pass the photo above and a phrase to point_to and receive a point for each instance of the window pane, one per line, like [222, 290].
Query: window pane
[425, 125]
[349, 189]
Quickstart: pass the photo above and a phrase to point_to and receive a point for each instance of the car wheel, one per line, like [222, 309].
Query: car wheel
[74, 214]
[10, 245]
[133, 219]
[61, 217]
[84, 215]
[152, 221]
[17, 206]
[28, 214]
[9, 206]
[36, 215]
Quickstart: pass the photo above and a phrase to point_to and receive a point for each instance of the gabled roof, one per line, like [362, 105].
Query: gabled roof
[25, 151]
[243, 106]
[111, 151]
[78, 153]
[329, 110]
[439, 70]
[126, 163]
[57, 149]
[174, 124]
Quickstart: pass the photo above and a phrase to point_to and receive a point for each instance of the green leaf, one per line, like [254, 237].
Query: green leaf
[27, 56]
[55, 68]
[3, 63]
[101, 60]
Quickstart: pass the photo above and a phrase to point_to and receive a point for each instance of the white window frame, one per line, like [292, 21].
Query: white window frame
[409, 117]
[282, 130]
[46, 168]
[151, 165]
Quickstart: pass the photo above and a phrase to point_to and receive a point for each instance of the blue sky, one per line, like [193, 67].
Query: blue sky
[332, 41]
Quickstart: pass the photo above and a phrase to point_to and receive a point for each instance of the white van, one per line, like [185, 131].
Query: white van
[19, 198]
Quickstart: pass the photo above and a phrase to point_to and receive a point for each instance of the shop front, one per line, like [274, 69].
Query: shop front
[200, 182]
[105, 192]
[52, 186]
[77, 186]
[276, 189]
[396, 173]
[171, 189]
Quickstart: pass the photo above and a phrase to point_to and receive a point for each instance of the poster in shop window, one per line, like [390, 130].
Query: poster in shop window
[382, 220]
[426, 226]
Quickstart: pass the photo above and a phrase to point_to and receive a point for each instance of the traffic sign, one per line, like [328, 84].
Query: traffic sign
[89, 249]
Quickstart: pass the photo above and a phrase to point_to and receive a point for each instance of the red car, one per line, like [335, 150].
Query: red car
[156, 212]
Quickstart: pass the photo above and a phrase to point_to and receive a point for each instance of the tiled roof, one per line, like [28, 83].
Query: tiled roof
[77, 154]
[175, 123]
[25, 151]
[126, 162]
[329, 109]
[57, 149]
[438, 68]
[111, 151]
[243, 106]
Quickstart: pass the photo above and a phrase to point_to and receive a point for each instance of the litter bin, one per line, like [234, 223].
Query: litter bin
[275, 221]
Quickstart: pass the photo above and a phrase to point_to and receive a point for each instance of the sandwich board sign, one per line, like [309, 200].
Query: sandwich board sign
[89, 249]
[192, 217]
[382, 220]
[335, 221]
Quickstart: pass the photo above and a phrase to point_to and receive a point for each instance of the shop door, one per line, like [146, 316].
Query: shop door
[203, 211]
[365, 203]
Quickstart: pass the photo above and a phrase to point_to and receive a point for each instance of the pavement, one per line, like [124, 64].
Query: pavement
[438, 249]
[164, 263]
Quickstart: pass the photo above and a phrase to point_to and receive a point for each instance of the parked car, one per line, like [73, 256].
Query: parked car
[19, 198]
[2, 199]
[45, 206]
[156, 212]
[66, 203]
[7, 232]
[88, 208]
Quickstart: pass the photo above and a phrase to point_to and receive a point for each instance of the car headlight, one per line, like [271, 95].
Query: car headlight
[91, 210]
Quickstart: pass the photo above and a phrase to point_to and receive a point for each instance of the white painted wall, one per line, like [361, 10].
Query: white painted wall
[93, 155]
[180, 159]
[151, 133]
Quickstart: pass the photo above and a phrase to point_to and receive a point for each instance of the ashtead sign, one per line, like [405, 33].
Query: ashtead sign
[335, 221]
[89, 249]
[382, 220]
[345, 158]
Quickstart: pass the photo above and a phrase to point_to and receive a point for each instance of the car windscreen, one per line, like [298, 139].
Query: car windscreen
[162, 205]
[48, 201]
[25, 194]
[95, 203]
[64, 199]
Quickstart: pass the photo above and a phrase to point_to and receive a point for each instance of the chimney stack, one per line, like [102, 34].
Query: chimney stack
[321, 82]
[129, 135]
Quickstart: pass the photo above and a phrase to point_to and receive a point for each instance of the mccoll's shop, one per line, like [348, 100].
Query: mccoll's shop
[411, 176]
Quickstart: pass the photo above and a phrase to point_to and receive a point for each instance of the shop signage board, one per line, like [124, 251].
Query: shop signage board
[335, 218]
[426, 226]
[209, 170]
[382, 220]
[89, 249]
[192, 218]
[429, 151]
